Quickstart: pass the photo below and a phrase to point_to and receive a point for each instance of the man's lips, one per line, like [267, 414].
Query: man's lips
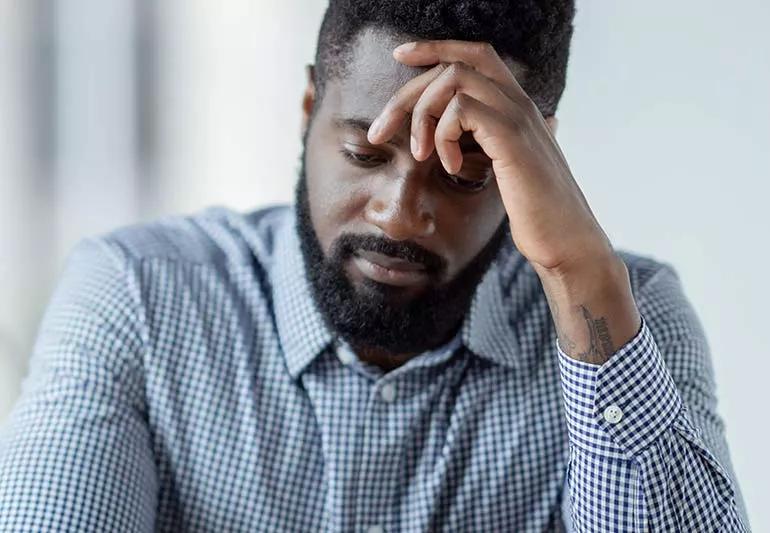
[390, 270]
[386, 261]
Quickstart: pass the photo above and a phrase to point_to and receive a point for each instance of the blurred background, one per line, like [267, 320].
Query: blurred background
[121, 111]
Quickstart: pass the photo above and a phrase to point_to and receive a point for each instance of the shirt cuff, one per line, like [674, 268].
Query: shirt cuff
[617, 409]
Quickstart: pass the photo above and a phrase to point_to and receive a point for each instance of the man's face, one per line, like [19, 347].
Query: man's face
[362, 207]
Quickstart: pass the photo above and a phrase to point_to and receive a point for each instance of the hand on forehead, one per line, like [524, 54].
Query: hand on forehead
[374, 76]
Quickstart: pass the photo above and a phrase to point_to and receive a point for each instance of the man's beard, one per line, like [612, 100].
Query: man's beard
[374, 316]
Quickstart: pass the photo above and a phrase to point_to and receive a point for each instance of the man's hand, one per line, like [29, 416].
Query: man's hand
[471, 89]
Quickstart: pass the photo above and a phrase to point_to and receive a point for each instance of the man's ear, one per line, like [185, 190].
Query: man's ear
[553, 124]
[308, 98]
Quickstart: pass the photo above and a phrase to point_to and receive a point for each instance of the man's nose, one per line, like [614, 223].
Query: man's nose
[401, 209]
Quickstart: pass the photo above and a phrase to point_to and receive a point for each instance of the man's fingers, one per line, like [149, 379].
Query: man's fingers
[480, 55]
[465, 113]
[457, 78]
[461, 67]
[399, 107]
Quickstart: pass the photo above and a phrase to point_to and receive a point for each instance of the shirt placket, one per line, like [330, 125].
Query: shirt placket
[379, 462]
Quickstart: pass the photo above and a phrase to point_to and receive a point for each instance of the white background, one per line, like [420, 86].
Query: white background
[664, 122]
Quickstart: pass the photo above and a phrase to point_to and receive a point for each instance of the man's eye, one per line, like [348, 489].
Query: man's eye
[362, 160]
[468, 185]
[369, 161]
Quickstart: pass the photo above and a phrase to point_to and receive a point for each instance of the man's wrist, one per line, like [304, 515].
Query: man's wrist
[593, 308]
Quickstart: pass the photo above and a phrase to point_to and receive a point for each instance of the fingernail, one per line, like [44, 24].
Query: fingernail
[374, 128]
[413, 145]
[406, 47]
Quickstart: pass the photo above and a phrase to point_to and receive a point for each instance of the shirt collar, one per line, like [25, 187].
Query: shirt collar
[301, 329]
[487, 329]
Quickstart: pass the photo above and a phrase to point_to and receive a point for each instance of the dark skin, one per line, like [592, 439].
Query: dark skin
[472, 124]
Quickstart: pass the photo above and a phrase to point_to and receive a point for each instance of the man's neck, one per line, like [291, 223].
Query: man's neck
[387, 360]
[384, 359]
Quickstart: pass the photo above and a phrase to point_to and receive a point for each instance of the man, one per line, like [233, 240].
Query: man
[438, 336]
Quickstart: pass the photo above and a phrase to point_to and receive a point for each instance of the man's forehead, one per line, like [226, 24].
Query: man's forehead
[373, 75]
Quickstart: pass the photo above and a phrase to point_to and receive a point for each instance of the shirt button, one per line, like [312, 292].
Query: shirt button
[388, 393]
[613, 414]
[375, 529]
[345, 356]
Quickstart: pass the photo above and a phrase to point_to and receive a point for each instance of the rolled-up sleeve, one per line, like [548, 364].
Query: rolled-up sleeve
[75, 453]
[647, 447]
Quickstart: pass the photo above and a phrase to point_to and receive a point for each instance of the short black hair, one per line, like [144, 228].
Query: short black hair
[535, 33]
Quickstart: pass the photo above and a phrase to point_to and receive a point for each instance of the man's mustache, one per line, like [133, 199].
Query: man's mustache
[349, 243]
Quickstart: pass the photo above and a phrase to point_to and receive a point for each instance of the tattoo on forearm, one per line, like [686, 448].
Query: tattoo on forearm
[600, 346]
[567, 344]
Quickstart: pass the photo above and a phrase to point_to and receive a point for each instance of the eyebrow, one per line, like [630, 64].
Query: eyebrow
[468, 144]
[360, 124]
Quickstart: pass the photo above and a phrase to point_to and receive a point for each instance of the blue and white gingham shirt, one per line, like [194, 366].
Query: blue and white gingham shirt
[183, 380]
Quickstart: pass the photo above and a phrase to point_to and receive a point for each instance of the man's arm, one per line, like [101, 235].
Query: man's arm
[648, 451]
[640, 462]
[75, 454]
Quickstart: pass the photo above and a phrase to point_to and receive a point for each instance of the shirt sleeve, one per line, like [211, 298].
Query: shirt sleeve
[75, 453]
[647, 447]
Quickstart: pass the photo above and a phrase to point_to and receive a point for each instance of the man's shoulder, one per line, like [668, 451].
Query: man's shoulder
[644, 269]
[642, 266]
[215, 236]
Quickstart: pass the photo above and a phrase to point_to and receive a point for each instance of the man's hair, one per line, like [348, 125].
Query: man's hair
[535, 33]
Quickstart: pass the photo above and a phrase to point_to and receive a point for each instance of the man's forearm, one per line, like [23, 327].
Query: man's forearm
[592, 307]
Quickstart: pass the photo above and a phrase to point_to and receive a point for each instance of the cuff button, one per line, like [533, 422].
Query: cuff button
[613, 414]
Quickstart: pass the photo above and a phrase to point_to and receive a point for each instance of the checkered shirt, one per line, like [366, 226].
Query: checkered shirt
[183, 380]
